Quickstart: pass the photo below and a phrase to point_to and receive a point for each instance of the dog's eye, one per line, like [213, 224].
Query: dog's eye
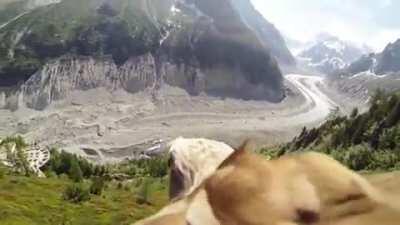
[170, 161]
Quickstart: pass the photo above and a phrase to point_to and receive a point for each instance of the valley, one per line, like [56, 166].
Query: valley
[92, 92]
[111, 126]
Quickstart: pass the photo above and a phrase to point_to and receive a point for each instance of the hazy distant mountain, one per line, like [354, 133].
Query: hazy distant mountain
[49, 48]
[382, 63]
[329, 54]
[389, 60]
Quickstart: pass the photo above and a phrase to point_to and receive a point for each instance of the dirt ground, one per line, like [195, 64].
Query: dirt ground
[105, 126]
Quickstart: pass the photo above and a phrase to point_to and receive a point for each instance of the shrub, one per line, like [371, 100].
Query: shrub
[76, 193]
[75, 172]
[2, 172]
[97, 186]
[61, 163]
[385, 160]
[143, 195]
[272, 153]
[155, 167]
[358, 157]
[363, 158]
[119, 186]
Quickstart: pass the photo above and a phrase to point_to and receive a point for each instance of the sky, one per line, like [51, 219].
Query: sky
[371, 22]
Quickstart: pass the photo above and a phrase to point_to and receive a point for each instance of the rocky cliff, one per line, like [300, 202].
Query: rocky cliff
[202, 46]
[268, 34]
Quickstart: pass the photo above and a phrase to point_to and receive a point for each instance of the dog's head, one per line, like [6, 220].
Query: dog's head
[245, 190]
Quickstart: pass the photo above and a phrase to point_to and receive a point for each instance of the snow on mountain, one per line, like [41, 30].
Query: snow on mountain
[328, 54]
[386, 62]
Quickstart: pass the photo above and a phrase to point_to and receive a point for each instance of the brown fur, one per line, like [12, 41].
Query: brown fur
[307, 188]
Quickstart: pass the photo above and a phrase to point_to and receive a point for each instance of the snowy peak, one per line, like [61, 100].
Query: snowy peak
[328, 54]
[386, 62]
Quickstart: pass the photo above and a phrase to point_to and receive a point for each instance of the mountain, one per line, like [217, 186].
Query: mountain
[266, 32]
[386, 62]
[389, 60]
[329, 54]
[51, 48]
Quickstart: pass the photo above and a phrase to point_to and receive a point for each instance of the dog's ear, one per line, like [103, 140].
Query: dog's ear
[236, 155]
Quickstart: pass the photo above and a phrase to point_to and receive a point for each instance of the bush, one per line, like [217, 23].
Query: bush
[76, 193]
[97, 186]
[61, 162]
[272, 153]
[75, 172]
[361, 157]
[2, 172]
[358, 157]
[385, 160]
[143, 195]
[155, 167]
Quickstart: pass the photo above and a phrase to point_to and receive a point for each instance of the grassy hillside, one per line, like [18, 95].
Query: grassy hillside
[76, 192]
[30, 201]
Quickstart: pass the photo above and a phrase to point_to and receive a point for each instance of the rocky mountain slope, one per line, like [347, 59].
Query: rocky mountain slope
[370, 72]
[329, 54]
[384, 63]
[50, 48]
[267, 32]
[389, 60]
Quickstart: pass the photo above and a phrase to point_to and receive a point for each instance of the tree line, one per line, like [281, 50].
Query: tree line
[369, 140]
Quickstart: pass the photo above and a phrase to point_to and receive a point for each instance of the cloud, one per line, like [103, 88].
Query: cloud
[372, 22]
[385, 3]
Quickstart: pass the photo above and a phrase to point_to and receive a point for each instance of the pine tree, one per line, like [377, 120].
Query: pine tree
[394, 116]
[359, 129]
[75, 172]
[97, 186]
[354, 113]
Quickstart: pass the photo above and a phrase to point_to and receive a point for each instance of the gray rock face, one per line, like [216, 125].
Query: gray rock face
[200, 46]
[390, 59]
[56, 79]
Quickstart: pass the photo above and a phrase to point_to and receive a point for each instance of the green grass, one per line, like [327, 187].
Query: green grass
[31, 201]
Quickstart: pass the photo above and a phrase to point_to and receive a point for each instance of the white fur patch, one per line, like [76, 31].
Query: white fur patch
[197, 159]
